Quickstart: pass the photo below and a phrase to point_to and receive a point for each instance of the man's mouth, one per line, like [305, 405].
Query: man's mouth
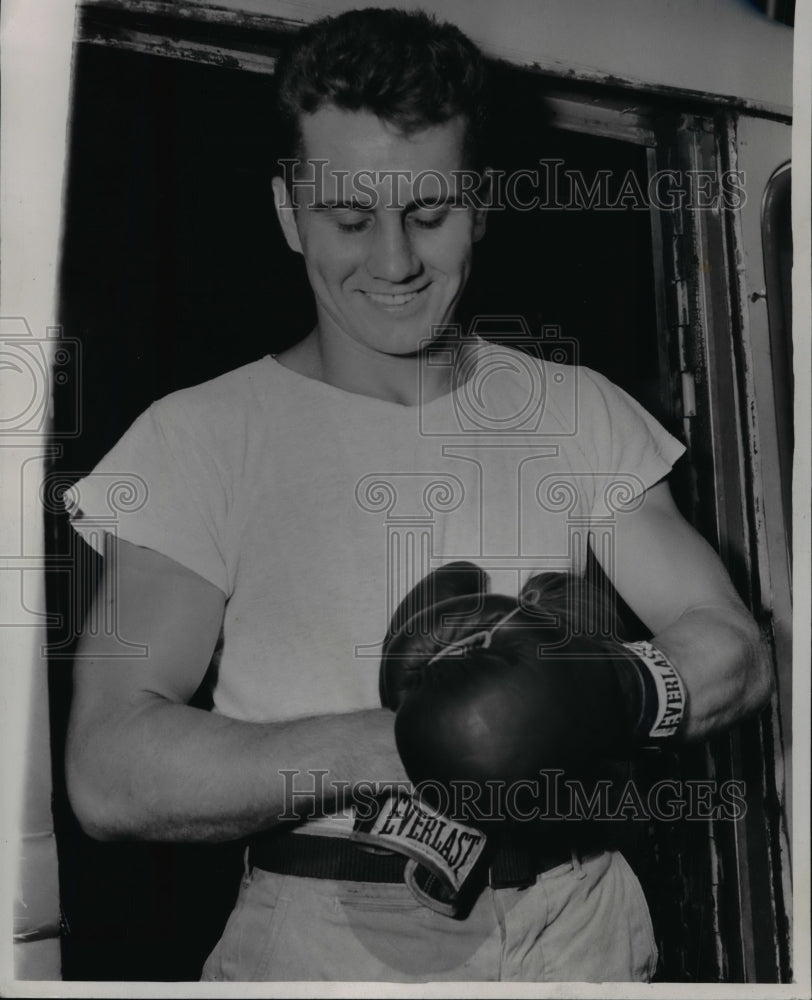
[393, 300]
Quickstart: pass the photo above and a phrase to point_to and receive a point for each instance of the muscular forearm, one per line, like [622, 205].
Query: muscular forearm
[724, 664]
[167, 771]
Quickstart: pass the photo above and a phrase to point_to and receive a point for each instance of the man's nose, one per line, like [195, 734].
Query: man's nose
[392, 256]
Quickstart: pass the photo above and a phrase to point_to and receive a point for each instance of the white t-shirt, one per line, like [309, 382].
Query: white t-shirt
[315, 510]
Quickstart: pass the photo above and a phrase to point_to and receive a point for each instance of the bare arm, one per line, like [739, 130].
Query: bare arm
[677, 585]
[142, 763]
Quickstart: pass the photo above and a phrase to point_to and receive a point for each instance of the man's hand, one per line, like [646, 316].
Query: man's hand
[677, 585]
[142, 763]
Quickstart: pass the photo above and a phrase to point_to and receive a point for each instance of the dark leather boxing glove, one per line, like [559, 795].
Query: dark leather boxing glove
[652, 696]
[420, 624]
[506, 712]
[452, 580]
[488, 688]
[409, 655]
[501, 700]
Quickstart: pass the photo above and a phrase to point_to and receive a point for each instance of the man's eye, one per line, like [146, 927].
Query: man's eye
[354, 225]
[429, 218]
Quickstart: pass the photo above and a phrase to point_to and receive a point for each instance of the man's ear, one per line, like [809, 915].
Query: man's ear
[286, 213]
[483, 200]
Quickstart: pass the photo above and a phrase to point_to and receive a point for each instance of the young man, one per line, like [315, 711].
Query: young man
[292, 503]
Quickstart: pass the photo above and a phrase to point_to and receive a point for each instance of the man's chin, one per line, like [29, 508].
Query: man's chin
[401, 345]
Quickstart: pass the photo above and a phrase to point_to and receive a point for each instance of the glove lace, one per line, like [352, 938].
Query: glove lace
[482, 639]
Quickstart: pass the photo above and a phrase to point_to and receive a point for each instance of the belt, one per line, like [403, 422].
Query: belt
[513, 864]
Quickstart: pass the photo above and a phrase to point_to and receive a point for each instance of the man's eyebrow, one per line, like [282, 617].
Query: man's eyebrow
[357, 205]
[351, 204]
[433, 201]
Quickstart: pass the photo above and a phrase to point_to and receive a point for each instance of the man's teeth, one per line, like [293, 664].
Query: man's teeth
[399, 299]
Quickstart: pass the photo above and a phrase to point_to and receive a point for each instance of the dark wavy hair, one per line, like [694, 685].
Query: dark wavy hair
[404, 66]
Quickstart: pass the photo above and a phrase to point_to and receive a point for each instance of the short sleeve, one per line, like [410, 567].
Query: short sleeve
[627, 446]
[159, 487]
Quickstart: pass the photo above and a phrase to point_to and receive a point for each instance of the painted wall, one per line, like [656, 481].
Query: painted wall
[36, 54]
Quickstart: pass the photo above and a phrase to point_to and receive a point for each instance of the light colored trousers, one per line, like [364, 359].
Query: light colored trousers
[585, 920]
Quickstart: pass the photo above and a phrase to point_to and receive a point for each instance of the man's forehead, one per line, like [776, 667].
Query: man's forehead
[348, 153]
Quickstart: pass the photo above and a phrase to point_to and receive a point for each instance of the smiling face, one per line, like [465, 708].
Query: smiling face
[386, 242]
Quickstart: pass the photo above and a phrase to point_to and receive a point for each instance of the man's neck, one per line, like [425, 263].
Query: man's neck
[346, 365]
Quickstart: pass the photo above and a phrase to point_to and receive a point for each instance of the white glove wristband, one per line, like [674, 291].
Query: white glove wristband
[663, 692]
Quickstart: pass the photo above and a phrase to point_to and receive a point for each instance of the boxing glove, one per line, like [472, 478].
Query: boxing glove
[452, 580]
[525, 694]
[506, 712]
[420, 623]
[652, 693]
